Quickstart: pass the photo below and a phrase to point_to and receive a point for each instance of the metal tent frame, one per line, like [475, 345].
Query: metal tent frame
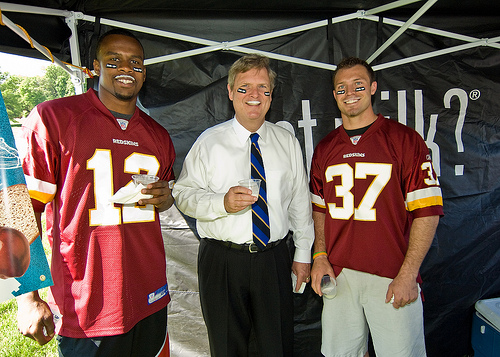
[72, 18]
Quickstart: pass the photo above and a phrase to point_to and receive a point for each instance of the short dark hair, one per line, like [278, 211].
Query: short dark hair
[350, 62]
[248, 62]
[116, 31]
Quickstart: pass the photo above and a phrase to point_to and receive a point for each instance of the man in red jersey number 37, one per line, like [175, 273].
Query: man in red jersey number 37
[376, 206]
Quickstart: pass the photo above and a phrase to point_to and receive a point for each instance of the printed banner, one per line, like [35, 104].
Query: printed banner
[23, 264]
[451, 100]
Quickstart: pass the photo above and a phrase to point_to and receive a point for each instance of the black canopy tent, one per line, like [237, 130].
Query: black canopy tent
[438, 68]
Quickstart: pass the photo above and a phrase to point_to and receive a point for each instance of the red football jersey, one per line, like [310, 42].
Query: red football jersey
[108, 260]
[370, 192]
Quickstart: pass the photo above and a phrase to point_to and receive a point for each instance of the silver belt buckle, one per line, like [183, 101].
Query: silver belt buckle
[252, 248]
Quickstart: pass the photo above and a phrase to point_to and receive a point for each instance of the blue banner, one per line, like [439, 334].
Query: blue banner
[23, 264]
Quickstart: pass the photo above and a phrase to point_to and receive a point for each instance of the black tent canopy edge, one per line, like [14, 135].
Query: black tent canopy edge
[72, 18]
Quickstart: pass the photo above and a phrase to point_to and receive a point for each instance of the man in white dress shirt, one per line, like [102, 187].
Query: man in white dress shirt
[246, 290]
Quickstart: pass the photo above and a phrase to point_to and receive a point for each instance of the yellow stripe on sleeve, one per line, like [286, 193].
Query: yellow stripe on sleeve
[41, 196]
[426, 197]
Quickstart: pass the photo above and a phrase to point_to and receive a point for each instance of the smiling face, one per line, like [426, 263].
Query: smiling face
[121, 72]
[251, 97]
[353, 92]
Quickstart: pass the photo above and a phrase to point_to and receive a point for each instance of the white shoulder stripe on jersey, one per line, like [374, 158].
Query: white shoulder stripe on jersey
[317, 200]
[40, 186]
[423, 193]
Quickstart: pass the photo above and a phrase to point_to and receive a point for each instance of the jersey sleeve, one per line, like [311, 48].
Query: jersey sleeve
[40, 161]
[316, 184]
[167, 171]
[423, 193]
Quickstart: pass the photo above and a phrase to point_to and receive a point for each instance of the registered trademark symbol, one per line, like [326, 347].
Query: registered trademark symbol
[474, 94]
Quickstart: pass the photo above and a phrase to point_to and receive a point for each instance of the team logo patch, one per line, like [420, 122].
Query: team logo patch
[158, 294]
[355, 139]
[123, 123]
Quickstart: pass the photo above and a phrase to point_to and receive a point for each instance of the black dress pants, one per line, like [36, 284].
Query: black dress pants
[246, 297]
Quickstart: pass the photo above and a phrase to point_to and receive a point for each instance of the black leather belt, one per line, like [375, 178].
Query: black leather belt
[248, 247]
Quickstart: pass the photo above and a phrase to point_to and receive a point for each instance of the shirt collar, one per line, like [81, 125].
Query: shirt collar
[243, 134]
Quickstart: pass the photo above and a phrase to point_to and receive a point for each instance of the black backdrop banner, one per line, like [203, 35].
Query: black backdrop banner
[451, 100]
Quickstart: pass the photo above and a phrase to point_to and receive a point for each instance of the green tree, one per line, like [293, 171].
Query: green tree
[13, 101]
[33, 92]
[22, 94]
[58, 82]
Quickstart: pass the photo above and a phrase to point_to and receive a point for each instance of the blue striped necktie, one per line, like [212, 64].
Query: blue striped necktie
[260, 215]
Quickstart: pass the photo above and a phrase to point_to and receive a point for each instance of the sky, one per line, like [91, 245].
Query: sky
[23, 66]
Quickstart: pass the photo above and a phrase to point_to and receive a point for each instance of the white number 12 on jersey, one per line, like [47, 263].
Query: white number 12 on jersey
[105, 213]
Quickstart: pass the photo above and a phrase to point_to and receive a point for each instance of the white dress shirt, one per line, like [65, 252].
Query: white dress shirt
[219, 158]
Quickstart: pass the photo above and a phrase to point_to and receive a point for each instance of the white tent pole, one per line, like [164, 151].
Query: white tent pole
[202, 41]
[433, 31]
[424, 29]
[279, 33]
[76, 76]
[232, 45]
[236, 45]
[292, 30]
[74, 46]
[183, 54]
[402, 29]
[11, 25]
[151, 31]
[242, 50]
[493, 42]
[389, 6]
[330, 67]
[430, 55]
[9, 7]
[214, 46]
[316, 64]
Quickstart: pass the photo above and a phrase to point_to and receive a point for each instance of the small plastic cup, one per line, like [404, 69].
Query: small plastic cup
[328, 287]
[253, 184]
[144, 179]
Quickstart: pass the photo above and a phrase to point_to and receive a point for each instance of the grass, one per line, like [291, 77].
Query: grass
[12, 343]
